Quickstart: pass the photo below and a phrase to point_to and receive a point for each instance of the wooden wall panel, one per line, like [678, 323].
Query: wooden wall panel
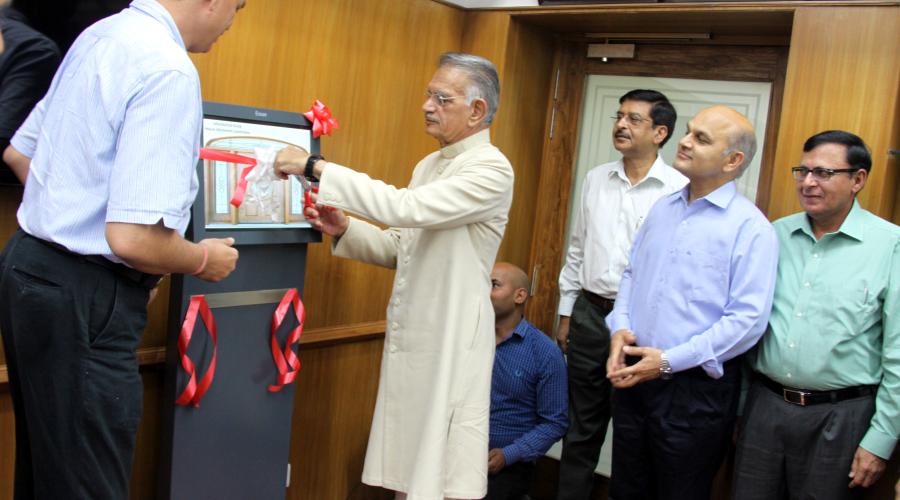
[523, 55]
[843, 73]
[335, 400]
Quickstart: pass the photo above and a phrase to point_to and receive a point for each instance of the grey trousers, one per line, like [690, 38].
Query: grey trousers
[787, 451]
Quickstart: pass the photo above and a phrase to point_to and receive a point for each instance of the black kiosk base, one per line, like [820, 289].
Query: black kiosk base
[235, 444]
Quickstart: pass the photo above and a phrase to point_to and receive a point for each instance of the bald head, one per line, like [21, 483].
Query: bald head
[513, 274]
[509, 290]
[719, 145]
[741, 134]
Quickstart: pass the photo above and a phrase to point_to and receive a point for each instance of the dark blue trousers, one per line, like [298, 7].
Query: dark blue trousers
[70, 329]
[670, 436]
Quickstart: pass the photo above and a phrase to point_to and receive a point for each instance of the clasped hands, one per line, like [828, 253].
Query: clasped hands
[292, 161]
[622, 376]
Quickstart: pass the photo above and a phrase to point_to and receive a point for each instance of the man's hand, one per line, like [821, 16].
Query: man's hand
[496, 461]
[866, 468]
[221, 261]
[616, 360]
[562, 334]
[646, 369]
[329, 220]
[290, 161]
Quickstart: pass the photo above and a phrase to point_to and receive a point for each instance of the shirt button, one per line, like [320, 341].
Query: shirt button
[791, 345]
[394, 326]
[396, 302]
[406, 259]
[789, 375]
[684, 223]
[807, 285]
[799, 314]
[393, 348]
[815, 256]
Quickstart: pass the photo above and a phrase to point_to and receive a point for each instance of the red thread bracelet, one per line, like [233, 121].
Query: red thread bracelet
[205, 259]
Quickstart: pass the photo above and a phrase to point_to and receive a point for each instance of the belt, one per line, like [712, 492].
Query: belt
[139, 278]
[802, 397]
[606, 305]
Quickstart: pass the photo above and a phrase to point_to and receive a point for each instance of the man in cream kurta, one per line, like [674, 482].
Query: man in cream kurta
[429, 437]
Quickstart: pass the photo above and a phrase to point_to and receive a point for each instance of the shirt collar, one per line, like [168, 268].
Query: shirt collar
[853, 225]
[720, 197]
[521, 328]
[657, 171]
[155, 10]
[459, 147]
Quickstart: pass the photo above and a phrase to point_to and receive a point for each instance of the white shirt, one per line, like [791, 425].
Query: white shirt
[610, 214]
[117, 136]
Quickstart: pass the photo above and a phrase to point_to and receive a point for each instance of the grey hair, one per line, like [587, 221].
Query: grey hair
[483, 80]
[745, 142]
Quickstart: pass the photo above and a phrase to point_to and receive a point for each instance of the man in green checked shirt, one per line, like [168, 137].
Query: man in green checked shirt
[823, 412]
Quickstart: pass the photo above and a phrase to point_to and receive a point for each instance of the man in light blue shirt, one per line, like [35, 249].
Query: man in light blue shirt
[110, 155]
[696, 294]
[825, 401]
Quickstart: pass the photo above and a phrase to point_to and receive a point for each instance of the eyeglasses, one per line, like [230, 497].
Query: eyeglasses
[631, 118]
[440, 99]
[819, 173]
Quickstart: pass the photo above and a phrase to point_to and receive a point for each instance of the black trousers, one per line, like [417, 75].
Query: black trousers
[670, 436]
[589, 400]
[792, 452]
[70, 329]
[511, 483]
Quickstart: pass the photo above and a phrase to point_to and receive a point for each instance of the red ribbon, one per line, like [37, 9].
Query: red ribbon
[287, 361]
[194, 391]
[321, 118]
[216, 155]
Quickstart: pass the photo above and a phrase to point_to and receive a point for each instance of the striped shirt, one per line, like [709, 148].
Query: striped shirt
[117, 136]
[529, 395]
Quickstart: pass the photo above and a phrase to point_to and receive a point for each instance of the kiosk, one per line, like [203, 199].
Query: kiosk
[235, 443]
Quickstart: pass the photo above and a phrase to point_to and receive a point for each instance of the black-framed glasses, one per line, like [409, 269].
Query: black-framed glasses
[631, 118]
[440, 99]
[820, 173]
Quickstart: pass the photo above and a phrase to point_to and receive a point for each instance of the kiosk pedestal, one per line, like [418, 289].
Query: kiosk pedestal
[235, 444]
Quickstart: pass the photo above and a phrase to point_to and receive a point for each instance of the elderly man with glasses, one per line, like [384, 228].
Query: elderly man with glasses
[429, 437]
[823, 413]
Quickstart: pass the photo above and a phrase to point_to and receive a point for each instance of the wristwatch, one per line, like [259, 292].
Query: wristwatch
[665, 369]
[310, 163]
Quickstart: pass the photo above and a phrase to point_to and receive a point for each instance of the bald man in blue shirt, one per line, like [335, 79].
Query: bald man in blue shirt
[529, 397]
[696, 294]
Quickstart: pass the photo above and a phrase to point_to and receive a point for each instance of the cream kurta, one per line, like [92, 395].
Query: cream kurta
[429, 435]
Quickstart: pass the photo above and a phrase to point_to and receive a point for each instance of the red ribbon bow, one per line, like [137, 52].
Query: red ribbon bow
[194, 391]
[241, 188]
[321, 118]
[287, 361]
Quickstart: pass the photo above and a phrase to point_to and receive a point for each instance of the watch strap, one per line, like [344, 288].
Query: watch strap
[310, 163]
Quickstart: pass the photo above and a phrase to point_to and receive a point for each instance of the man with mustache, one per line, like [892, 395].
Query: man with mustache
[615, 200]
[429, 437]
[825, 401]
[696, 295]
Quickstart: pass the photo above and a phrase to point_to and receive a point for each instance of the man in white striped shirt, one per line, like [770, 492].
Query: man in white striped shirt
[615, 199]
[109, 153]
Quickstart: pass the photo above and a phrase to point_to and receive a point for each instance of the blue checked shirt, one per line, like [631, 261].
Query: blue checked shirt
[529, 395]
[117, 136]
[700, 281]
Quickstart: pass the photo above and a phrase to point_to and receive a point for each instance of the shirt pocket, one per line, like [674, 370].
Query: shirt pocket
[709, 278]
[851, 308]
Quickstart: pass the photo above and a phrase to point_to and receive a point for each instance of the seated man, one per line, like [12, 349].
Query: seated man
[529, 398]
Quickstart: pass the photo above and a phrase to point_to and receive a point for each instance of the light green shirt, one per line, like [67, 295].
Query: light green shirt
[834, 321]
